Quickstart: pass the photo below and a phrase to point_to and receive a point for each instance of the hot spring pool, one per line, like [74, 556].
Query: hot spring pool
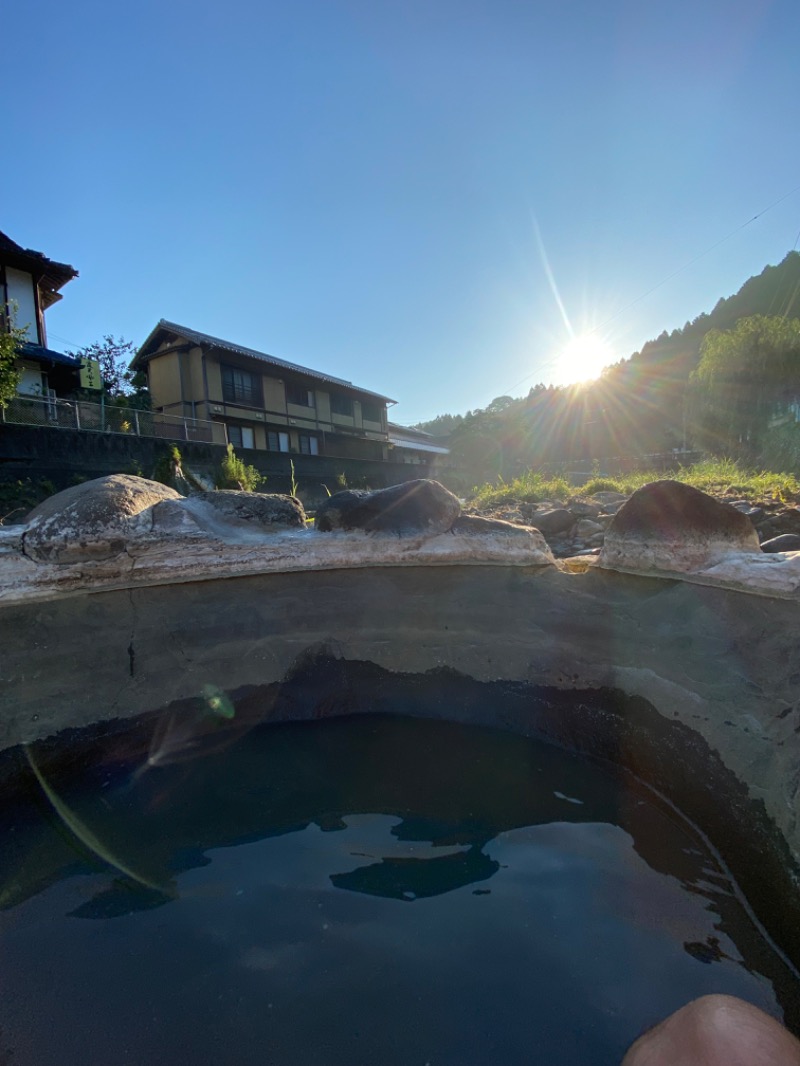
[362, 890]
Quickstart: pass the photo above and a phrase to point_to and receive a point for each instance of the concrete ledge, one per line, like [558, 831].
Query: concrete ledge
[684, 669]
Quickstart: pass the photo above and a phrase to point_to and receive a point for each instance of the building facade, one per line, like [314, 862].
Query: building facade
[264, 403]
[29, 284]
[414, 447]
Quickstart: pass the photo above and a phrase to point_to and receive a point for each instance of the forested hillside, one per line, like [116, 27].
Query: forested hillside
[656, 400]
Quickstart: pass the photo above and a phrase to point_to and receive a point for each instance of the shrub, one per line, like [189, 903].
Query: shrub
[600, 484]
[168, 466]
[234, 473]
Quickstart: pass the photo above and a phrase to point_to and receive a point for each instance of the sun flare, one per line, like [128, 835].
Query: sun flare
[583, 358]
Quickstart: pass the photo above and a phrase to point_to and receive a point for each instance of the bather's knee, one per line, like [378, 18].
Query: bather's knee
[716, 1030]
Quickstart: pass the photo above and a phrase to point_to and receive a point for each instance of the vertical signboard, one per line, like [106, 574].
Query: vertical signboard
[90, 375]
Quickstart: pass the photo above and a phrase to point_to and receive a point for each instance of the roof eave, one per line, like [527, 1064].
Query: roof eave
[221, 345]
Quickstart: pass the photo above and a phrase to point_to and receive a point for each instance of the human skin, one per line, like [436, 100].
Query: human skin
[716, 1031]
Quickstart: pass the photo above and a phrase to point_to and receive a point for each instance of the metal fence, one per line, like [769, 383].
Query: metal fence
[107, 418]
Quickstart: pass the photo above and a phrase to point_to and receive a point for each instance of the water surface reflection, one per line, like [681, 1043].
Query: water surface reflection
[362, 890]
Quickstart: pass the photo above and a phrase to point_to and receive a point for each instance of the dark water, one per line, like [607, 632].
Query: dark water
[374, 890]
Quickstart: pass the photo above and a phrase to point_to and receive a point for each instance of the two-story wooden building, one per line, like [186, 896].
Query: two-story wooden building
[265, 403]
[29, 284]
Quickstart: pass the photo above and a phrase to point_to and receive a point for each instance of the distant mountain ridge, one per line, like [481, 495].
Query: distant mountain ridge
[775, 291]
[637, 407]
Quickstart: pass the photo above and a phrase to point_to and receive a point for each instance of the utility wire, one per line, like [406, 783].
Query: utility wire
[691, 262]
[64, 340]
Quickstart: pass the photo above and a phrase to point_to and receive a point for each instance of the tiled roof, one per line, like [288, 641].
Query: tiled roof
[56, 274]
[406, 437]
[40, 355]
[150, 346]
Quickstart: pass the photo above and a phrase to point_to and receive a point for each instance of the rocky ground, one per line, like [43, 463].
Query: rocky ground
[577, 526]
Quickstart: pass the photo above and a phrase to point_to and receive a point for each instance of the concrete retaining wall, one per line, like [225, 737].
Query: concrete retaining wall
[64, 455]
[693, 688]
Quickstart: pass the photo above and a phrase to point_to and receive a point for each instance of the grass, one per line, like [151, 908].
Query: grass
[718, 477]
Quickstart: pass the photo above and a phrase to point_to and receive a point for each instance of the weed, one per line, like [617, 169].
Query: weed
[234, 473]
[20, 496]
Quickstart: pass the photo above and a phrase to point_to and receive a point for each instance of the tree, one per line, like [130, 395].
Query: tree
[9, 373]
[743, 376]
[114, 357]
[499, 404]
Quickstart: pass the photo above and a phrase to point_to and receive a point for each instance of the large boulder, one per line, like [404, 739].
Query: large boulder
[228, 515]
[94, 520]
[414, 507]
[254, 510]
[667, 525]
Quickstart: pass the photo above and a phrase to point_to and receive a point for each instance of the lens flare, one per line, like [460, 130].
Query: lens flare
[89, 839]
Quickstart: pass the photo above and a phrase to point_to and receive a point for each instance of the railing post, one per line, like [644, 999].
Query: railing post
[136, 422]
[77, 414]
[185, 430]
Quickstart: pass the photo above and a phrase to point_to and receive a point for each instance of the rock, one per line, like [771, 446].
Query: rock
[171, 518]
[583, 509]
[474, 525]
[609, 499]
[513, 515]
[94, 520]
[786, 542]
[667, 525]
[586, 528]
[786, 521]
[229, 515]
[253, 509]
[611, 508]
[421, 506]
[552, 522]
[753, 513]
[528, 511]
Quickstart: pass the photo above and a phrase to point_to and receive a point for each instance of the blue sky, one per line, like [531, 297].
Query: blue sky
[357, 185]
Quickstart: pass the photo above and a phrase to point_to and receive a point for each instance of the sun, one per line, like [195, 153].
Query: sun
[583, 358]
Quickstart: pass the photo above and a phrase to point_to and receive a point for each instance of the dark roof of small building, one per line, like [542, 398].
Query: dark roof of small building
[51, 275]
[154, 340]
[408, 437]
[47, 355]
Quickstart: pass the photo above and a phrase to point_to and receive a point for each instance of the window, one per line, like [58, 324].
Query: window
[241, 437]
[277, 442]
[308, 445]
[239, 386]
[341, 405]
[371, 412]
[299, 395]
